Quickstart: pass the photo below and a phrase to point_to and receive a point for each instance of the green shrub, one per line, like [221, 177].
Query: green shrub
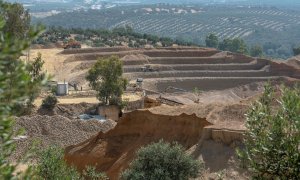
[49, 102]
[15, 81]
[91, 174]
[212, 41]
[272, 141]
[256, 51]
[51, 166]
[163, 160]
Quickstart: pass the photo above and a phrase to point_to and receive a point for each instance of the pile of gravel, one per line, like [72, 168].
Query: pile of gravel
[55, 130]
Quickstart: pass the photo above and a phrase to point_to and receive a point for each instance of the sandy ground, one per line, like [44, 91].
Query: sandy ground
[54, 62]
[93, 100]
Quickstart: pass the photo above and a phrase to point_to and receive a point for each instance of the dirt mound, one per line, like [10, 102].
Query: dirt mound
[69, 110]
[112, 151]
[55, 130]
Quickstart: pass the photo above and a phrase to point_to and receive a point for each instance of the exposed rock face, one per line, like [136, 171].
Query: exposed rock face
[112, 151]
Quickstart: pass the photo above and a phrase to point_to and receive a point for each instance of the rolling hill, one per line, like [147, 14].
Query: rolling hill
[275, 29]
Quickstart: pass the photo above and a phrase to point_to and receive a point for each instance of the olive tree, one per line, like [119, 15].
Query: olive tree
[272, 142]
[256, 51]
[212, 41]
[105, 77]
[163, 160]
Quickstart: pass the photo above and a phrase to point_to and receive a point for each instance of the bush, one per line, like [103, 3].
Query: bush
[91, 174]
[256, 51]
[272, 141]
[51, 166]
[49, 102]
[212, 41]
[162, 160]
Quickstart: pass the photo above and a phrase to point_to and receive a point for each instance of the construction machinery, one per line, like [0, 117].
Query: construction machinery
[72, 44]
[147, 68]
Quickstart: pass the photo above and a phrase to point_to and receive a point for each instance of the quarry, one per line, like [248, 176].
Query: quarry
[195, 96]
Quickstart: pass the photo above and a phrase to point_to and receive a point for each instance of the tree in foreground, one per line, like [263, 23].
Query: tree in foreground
[105, 77]
[163, 160]
[272, 142]
[212, 41]
[11, 94]
[51, 166]
[17, 20]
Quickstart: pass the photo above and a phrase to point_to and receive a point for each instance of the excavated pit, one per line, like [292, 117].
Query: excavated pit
[185, 68]
[111, 152]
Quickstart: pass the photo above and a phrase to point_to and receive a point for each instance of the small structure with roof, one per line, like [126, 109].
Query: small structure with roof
[62, 88]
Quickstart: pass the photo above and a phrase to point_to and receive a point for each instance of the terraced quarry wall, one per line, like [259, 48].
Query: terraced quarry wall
[188, 68]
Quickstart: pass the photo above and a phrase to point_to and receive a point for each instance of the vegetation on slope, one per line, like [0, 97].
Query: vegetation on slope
[16, 82]
[163, 160]
[273, 138]
[236, 45]
[105, 77]
[275, 29]
[101, 38]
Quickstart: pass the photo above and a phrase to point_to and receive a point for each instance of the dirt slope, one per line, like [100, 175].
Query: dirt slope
[112, 151]
[294, 62]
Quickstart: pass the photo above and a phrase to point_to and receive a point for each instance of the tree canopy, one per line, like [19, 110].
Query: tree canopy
[17, 20]
[256, 51]
[163, 160]
[105, 77]
[212, 41]
[236, 45]
[273, 138]
[296, 51]
[15, 87]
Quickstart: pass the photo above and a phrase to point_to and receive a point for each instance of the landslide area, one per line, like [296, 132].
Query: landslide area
[112, 151]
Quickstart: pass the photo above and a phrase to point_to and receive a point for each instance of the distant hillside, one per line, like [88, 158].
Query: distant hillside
[123, 36]
[276, 30]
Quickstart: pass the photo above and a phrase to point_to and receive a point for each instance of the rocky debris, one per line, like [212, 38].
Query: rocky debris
[113, 151]
[55, 130]
[69, 110]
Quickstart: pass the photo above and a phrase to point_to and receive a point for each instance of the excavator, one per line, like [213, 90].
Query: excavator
[72, 44]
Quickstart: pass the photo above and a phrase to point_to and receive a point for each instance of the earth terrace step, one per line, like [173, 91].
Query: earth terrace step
[164, 50]
[203, 83]
[96, 50]
[181, 53]
[216, 67]
[198, 73]
[197, 60]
